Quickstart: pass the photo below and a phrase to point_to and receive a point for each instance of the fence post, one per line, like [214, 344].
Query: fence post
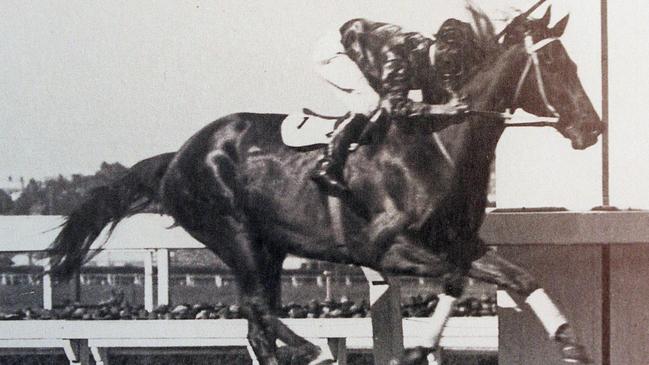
[77, 351]
[148, 280]
[163, 275]
[294, 281]
[339, 347]
[100, 355]
[76, 285]
[47, 286]
[189, 280]
[387, 329]
[327, 275]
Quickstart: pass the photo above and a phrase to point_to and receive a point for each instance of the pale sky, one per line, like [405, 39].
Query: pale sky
[85, 82]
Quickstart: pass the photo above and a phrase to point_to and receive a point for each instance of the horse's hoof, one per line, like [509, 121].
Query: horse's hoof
[575, 354]
[571, 351]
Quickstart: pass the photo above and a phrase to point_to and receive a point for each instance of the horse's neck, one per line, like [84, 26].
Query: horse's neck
[456, 185]
[489, 90]
[474, 142]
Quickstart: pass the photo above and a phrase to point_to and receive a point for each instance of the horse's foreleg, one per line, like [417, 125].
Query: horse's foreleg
[406, 257]
[454, 283]
[429, 341]
[495, 269]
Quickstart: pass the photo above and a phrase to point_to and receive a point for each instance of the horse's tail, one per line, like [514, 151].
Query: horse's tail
[109, 204]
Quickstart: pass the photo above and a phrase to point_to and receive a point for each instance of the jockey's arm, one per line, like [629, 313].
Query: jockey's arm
[395, 86]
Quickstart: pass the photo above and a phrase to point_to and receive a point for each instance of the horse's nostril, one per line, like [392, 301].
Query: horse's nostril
[596, 128]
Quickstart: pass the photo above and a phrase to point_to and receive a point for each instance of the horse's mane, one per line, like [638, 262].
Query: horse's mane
[476, 82]
[484, 28]
[485, 41]
[493, 52]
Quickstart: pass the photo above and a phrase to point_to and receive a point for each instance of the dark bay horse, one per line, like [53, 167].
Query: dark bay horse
[235, 187]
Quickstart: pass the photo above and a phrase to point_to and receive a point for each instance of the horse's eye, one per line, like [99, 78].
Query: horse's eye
[553, 60]
[549, 60]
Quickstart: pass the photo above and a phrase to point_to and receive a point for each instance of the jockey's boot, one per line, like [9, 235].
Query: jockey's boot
[328, 173]
[372, 131]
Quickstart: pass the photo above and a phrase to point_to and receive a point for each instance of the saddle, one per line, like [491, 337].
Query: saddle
[309, 128]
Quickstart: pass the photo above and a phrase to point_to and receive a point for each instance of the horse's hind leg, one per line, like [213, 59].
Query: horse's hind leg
[298, 348]
[255, 305]
[258, 273]
[495, 269]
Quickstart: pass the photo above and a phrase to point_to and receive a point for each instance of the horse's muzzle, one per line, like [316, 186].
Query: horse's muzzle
[582, 135]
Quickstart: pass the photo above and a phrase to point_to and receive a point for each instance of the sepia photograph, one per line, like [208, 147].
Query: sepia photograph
[416, 182]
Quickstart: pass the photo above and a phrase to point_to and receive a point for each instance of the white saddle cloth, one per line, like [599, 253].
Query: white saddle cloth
[303, 130]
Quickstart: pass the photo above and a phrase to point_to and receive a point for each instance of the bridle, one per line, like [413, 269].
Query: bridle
[532, 62]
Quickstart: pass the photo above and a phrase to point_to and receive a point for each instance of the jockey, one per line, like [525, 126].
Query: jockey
[373, 66]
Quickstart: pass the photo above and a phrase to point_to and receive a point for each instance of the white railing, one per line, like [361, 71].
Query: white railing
[586, 260]
[82, 339]
[147, 236]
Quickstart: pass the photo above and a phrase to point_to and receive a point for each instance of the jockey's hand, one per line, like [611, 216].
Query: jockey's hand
[453, 107]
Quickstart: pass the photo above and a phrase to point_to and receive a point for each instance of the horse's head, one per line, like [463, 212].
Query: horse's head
[549, 84]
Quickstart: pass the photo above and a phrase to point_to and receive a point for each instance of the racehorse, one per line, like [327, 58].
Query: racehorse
[415, 207]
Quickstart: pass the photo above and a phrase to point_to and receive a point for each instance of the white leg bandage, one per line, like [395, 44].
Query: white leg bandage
[438, 321]
[504, 300]
[547, 312]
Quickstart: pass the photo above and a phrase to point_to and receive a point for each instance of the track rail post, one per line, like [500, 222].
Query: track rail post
[47, 286]
[385, 304]
[148, 280]
[100, 355]
[77, 351]
[162, 258]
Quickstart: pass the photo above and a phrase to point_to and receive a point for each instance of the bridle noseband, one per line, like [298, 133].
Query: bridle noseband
[532, 61]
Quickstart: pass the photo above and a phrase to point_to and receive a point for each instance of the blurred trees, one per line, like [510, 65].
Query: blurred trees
[5, 260]
[58, 196]
[6, 204]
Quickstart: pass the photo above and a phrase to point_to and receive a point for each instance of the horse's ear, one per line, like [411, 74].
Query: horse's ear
[560, 27]
[545, 20]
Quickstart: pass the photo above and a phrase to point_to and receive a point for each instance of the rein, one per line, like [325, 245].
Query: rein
[539, 121]
[532, 61]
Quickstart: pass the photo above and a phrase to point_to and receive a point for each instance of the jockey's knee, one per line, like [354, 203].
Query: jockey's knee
[363, 101]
